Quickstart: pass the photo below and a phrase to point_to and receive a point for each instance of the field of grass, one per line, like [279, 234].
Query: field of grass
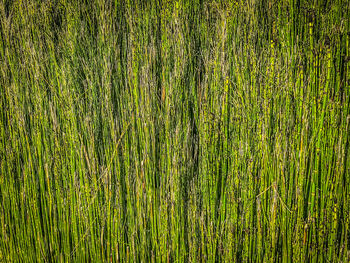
[174, 131]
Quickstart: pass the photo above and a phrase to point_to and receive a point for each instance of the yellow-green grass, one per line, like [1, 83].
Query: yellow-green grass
[174, 131]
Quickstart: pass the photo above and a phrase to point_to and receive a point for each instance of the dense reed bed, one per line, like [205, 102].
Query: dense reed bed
[174, 131]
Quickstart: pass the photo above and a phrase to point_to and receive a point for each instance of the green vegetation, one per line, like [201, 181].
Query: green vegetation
[174, 131]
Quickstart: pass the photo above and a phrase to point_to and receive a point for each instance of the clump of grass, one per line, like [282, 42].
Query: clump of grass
[174, 131]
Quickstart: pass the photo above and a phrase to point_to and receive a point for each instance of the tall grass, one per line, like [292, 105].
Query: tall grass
[174, 131]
